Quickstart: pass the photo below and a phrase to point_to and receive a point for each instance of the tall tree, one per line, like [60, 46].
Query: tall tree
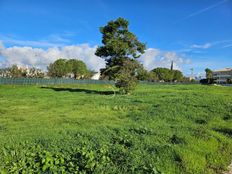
[58, 68]
[209, 75]
[177, 75]
[77, 67]
[143, 74]
[62, 67]
[163, 74]
[119, 46]
[168, 75]
[171, 66]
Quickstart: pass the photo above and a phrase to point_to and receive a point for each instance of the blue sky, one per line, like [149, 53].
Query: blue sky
[198, 32]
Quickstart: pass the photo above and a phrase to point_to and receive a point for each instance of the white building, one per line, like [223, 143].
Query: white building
[223, 75]
[96, 76]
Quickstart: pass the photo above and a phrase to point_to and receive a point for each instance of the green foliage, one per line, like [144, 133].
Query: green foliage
[126, 77]
[119, 41]
[152, 76]
[58, 68]
[78, 128]
[77, 67]
[35, 159]
[204, 81]
[63, 67]
[145, 75]
[119, 47]
[229, 81]
[209, 75]
[163, 74]
[168, 75]
[177, 75]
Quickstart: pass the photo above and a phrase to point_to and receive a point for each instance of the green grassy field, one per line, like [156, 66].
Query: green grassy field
[86, 129]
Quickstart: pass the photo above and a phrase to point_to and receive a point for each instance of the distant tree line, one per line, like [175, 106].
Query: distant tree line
[68, 68]
[17, 72]
[74, 68]
[156, 75]
[161, 75]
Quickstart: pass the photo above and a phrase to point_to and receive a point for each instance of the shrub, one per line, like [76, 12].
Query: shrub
[126, 79]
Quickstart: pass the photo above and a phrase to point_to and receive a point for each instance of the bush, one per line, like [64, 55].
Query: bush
[229, 81]
[126, 79]
[126, 84]
[206, 81]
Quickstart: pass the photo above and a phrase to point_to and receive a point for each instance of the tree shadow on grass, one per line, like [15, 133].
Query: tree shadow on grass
[225, 131]
[87, 91]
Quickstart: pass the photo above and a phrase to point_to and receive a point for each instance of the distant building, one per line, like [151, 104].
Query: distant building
[96, 76]
[190, 78]
[223, 75]
[5, 72]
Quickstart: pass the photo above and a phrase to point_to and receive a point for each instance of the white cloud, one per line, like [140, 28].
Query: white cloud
[153, 58]
[38, 57]
[1, 46]
[201, 48]
[204, 46]
[53, 40]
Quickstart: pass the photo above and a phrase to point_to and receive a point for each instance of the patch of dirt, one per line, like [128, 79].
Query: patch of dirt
[229, 170]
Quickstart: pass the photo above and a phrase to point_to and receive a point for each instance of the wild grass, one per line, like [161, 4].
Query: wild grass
[88, 129]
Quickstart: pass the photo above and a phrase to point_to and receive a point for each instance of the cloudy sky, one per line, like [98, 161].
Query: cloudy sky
[194, 33]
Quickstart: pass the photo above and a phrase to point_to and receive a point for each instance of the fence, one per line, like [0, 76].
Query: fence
[168, 83]
[51, 81]
[57, 81]
[226, 85]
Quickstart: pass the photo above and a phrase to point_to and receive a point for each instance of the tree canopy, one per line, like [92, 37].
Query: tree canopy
[58, 68]
[77, 67]
[209, 75]
[120, 46]
[119, 42]
[168, 75]
[63, 67]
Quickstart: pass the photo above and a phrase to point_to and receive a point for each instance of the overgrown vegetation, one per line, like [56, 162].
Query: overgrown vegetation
[159, 129]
